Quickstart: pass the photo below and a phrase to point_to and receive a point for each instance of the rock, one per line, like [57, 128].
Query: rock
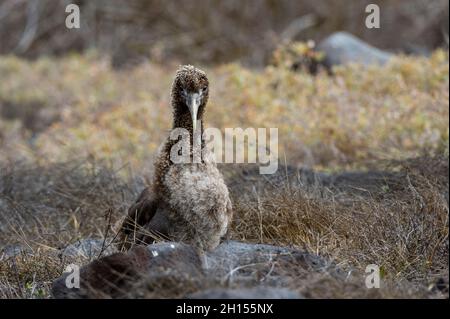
[114, 276]
[88, 248]
[103, 278]
[168, 257]
[244, 263]
[232, 254]
[246, 293]
[167, 269]
[12, 251]
[343, 47]
[3, 205]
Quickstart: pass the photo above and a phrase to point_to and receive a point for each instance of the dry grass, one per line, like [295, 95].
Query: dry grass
[358, 114]
[402, 227]
[74, 175]
[45, 208]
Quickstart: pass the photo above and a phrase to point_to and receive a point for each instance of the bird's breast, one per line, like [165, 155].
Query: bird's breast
[198, 187]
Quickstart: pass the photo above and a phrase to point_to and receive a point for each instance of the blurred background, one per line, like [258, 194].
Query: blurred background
[339, 92]
[212, 31]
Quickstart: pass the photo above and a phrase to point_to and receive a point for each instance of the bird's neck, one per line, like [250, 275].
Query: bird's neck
[183, 121]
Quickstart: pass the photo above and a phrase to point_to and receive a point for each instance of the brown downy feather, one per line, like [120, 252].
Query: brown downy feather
[186, 202]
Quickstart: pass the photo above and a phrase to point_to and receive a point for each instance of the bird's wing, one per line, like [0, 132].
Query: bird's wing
[139, 214]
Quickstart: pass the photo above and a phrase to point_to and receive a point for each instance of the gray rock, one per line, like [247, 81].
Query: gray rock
[232, 254]
[12, 251]
[88, 248]
[167, 269]
[243, 263]
[343, 47]
[246, 293]
[103, 278]
[171, 254]
[116, 275]
[3, 205]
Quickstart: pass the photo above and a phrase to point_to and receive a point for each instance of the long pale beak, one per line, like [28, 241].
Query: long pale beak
[193, 103]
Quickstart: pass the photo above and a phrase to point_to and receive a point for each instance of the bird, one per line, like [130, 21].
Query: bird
[186, 201]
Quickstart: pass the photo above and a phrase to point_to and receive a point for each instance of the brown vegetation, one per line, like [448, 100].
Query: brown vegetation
[74, 175]
[402, 226]
[212, 31]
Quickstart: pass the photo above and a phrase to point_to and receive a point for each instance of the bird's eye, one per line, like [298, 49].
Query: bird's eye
[204, 89]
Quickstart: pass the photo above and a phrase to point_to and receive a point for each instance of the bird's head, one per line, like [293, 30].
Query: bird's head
[190, 92]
